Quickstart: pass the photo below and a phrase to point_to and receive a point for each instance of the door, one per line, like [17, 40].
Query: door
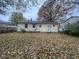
[49, 28]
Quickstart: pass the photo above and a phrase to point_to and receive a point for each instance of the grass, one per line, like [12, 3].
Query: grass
[38, 46]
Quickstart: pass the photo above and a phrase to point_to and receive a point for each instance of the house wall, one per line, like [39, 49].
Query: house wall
[43, 28]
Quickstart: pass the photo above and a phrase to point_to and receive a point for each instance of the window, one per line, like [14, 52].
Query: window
[53, 25]
[26, 25]
[40, 25]
[33, 25]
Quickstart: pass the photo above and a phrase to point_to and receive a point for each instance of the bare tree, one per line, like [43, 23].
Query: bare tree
[55, 10]
[17, 4]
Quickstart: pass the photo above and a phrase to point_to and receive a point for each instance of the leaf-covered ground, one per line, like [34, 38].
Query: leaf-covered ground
[38, 46]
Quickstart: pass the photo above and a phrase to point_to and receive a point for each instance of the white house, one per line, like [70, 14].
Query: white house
[35, 26]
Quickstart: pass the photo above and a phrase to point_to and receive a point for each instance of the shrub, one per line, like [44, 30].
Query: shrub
[1, 31]
[6, 30]
[23, 30]
[72, 29]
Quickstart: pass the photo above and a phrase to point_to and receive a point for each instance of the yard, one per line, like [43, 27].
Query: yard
[38, 46]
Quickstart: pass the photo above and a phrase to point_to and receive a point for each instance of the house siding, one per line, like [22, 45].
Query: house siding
[43, 28]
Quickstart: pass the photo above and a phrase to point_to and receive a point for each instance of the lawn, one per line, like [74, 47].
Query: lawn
[38, 46]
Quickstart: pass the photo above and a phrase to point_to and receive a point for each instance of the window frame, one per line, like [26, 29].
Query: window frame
[53, 25]
[40, 25]
[33, 25]
[26, 25]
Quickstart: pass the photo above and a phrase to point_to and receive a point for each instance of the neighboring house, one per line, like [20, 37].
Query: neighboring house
[71, 20]
[35, 26]
[7, 26]
[2, 23]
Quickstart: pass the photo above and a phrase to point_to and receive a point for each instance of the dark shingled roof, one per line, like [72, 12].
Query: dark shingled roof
[73, 19]
[37, 22]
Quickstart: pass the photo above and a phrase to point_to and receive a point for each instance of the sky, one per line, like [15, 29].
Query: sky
[32, 13]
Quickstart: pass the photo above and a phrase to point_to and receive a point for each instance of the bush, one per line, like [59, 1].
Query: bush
[72, 29]
[5, 30]
[23, 30]
[1, 31]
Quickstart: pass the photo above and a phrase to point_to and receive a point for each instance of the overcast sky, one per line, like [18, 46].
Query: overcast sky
[32, 13]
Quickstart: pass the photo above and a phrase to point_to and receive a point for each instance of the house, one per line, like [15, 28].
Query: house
[7, 26]
[36, 26]
[70, 20]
